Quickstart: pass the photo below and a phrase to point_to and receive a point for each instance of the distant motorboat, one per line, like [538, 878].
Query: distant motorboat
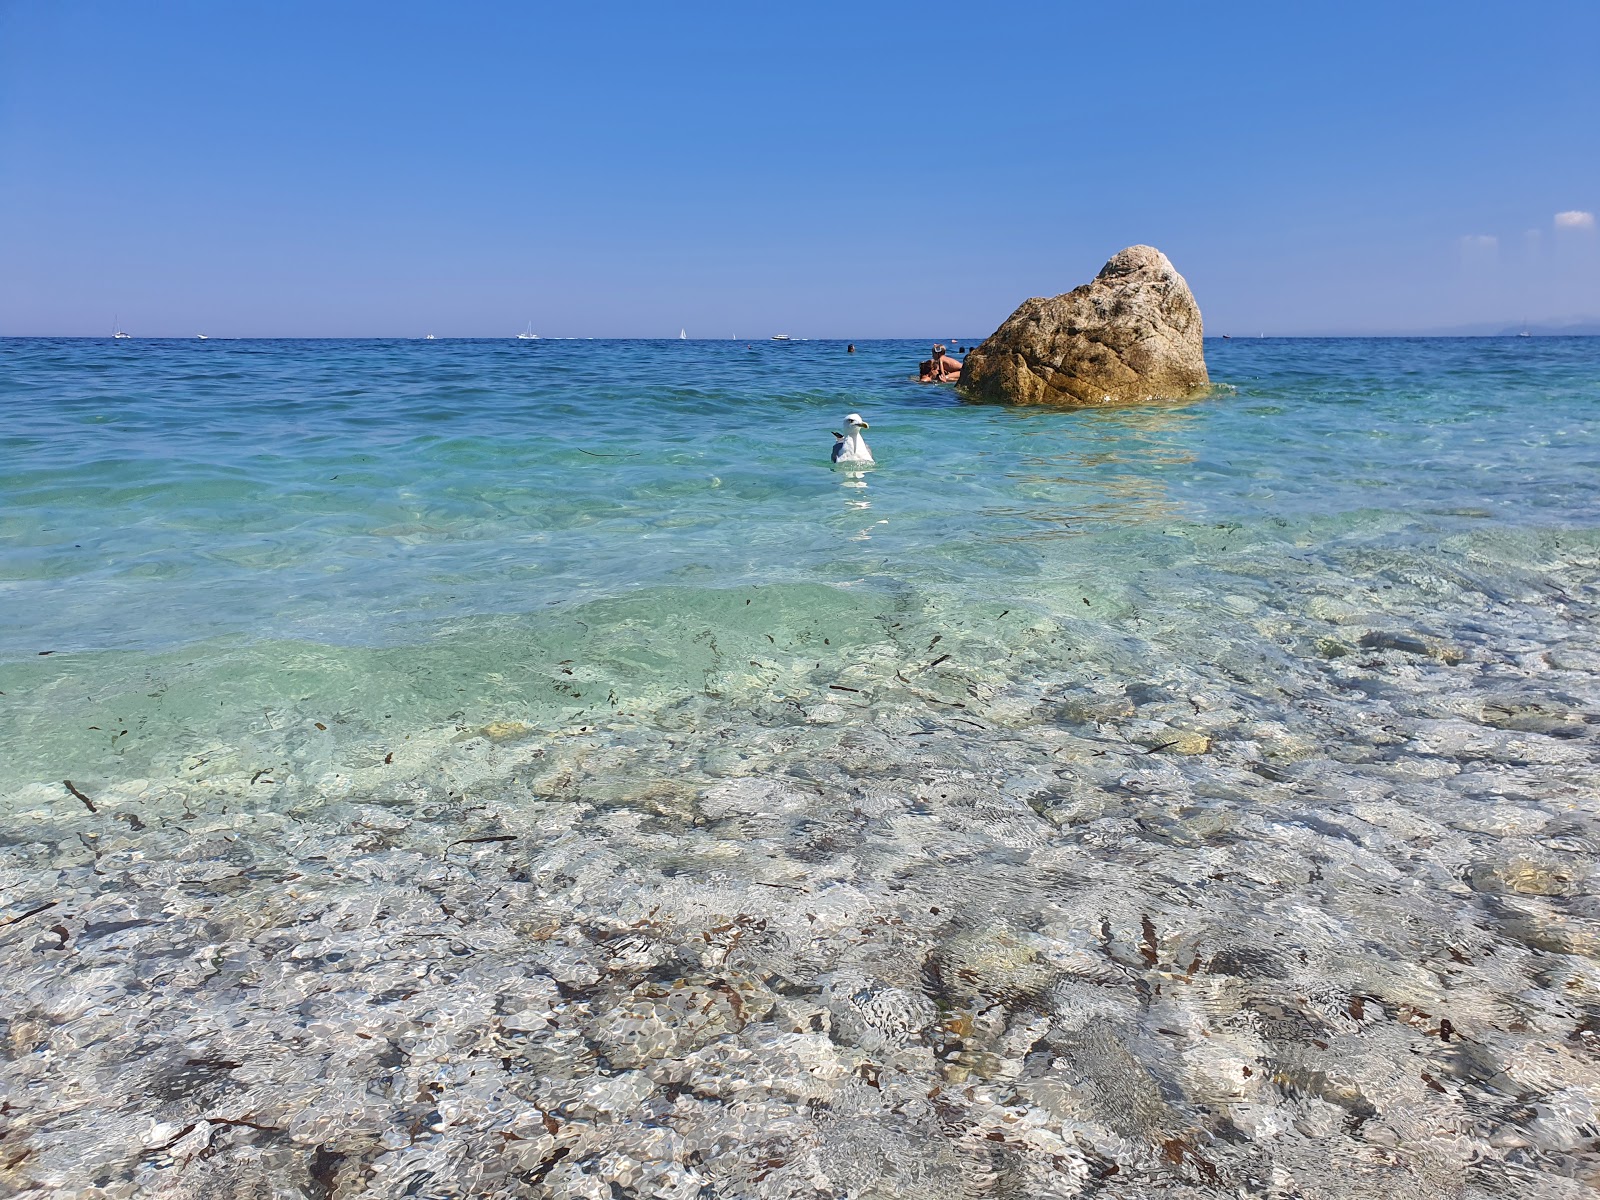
[780, 337]
[201, 336]
[528, 335]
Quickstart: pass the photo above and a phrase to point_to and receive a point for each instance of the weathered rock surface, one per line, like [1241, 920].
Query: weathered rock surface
[1133, 334]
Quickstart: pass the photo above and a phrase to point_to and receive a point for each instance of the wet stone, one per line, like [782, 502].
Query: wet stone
[1525, 875]
[1413, 643]
[1531, 715]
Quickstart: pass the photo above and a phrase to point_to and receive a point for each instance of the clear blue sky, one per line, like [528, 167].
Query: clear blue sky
[854, 170]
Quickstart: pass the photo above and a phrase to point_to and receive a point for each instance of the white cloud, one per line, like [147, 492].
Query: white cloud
[1575, 219]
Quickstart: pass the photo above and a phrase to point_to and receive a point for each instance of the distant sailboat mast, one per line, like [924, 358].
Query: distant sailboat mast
[683, 335]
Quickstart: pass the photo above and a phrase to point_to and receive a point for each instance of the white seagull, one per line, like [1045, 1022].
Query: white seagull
[851, 447]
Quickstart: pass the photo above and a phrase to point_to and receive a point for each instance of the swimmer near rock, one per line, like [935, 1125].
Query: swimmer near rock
[850, 446]
[940, 368]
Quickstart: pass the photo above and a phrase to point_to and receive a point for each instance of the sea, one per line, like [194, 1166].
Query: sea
[512, 768]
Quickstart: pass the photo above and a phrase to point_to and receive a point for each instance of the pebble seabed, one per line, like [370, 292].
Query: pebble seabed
[1267, 874]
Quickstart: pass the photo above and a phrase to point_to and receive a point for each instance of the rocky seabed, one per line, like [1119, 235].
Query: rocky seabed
[1281, 885]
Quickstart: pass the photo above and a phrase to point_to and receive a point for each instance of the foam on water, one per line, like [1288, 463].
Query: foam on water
[526, 768]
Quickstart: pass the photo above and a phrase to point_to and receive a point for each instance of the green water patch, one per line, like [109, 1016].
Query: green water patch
[121, 713]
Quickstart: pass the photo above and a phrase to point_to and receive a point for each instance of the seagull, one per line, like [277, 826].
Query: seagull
[851, 447]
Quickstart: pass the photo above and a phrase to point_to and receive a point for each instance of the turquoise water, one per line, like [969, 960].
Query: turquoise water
[357, 507]
[1186, 763]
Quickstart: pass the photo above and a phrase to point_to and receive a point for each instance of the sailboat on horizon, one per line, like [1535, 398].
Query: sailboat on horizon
[528, 335]
[116, 330]
[683, 335]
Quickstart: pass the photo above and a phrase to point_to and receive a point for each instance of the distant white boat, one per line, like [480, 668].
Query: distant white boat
[429, 338]
[116, 329]
[201, 336]
[528, 335]
[780, 337]
[683, 335]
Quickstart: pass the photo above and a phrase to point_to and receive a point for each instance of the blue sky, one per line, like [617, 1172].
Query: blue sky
[850, 170]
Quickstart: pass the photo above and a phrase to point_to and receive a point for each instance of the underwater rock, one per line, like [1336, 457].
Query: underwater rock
[507, 731]
[992, 965]
[667, 1020]
[1172, 741]
[873, 1016]
[1332, 647]
[1122, 1092]
[1247, 962]
[1524, 876]
[1090, 708]
[1527, 715]
[1076, 1003]
[826, 714]
[1133, 334]
[1413, 643]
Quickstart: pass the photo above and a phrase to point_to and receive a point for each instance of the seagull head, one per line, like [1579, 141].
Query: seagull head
[854, 422]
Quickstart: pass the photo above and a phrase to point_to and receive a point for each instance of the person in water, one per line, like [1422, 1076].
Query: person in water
[941, 368]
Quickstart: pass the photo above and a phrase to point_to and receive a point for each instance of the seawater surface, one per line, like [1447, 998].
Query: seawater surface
[498, 768]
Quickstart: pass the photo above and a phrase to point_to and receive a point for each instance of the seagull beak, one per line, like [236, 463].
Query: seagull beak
[863, 425]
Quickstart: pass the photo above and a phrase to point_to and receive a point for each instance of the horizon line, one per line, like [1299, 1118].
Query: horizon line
[501, 337]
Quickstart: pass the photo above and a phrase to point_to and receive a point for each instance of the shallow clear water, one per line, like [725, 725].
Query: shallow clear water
[531, 769]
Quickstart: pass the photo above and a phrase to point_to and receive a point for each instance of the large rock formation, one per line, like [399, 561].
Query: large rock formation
[1131, 335]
